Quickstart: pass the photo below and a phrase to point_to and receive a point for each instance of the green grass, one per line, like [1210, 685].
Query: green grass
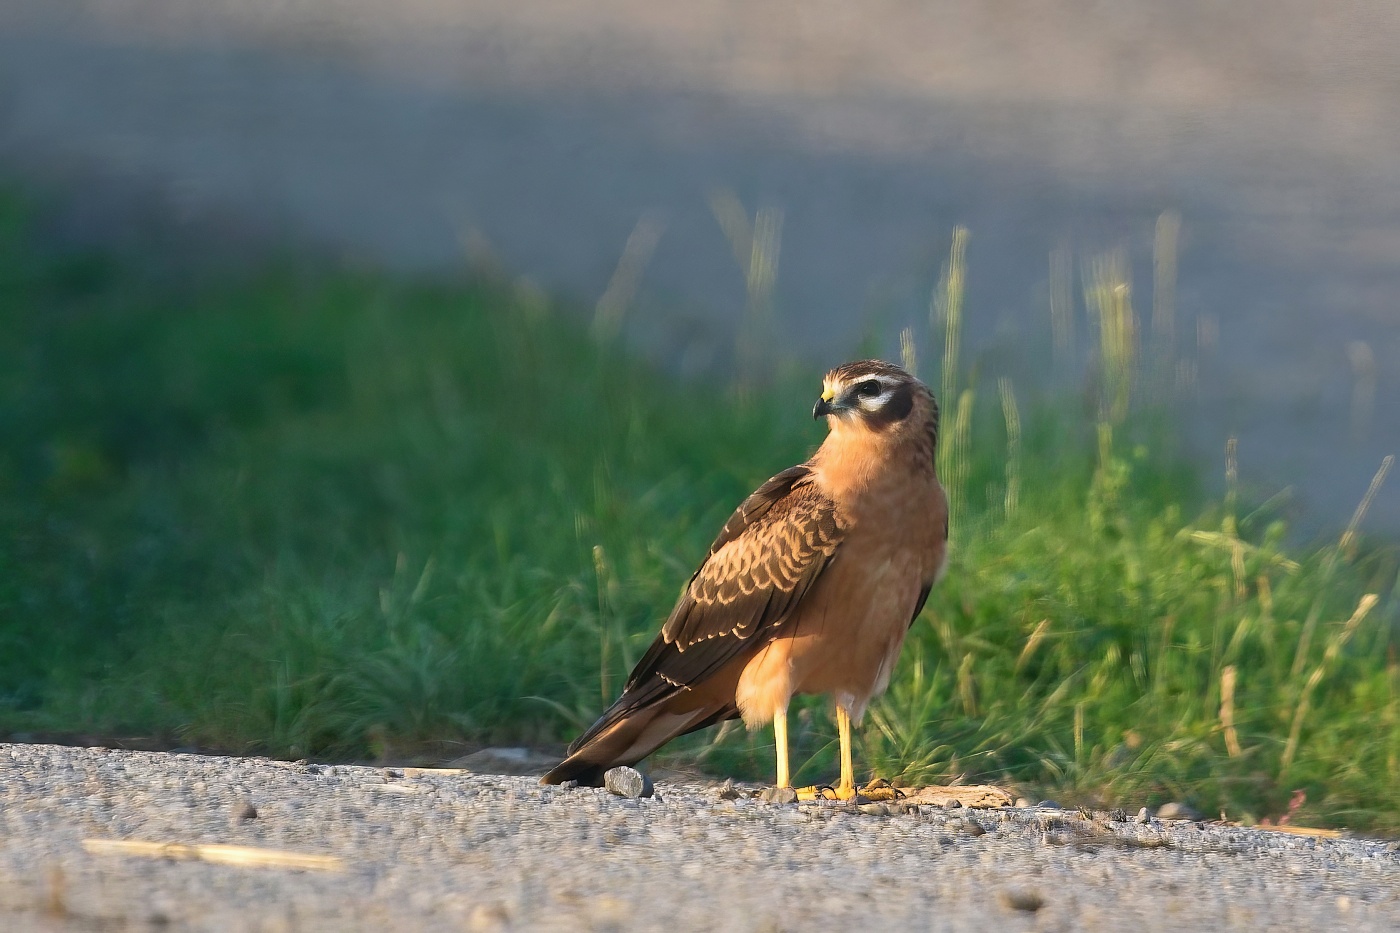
[342, 515]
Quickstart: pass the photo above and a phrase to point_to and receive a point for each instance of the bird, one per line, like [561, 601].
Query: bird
[809, 589]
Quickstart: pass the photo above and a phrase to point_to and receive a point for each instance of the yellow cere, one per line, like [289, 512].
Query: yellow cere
[828, 393]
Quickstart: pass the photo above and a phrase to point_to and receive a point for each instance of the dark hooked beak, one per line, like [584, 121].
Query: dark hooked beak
[823, 407]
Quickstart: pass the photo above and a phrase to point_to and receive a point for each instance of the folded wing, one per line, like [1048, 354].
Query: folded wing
[765, 559]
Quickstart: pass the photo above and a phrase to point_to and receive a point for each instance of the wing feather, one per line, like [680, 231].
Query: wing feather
[765, 558]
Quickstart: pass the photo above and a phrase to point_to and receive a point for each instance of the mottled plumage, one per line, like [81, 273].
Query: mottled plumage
[808, 588]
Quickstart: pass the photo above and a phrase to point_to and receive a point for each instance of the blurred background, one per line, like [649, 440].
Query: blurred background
[548, 133]
[372, 375]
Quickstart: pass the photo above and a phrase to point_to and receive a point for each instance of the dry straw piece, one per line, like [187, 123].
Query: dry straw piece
[245, 856]
[972, 796]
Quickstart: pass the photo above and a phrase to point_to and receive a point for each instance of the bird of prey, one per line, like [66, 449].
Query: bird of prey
[809, 588]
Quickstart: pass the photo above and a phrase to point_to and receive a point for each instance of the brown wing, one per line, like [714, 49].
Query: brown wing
[764, 560]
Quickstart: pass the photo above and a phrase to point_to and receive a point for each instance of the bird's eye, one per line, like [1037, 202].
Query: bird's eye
[868, 389]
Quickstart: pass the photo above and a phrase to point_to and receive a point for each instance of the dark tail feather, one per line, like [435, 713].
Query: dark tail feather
[616, 740]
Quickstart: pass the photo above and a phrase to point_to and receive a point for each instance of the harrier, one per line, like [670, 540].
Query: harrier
[809, 588]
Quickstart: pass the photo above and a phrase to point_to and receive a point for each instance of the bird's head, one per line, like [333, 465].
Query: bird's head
[874, 395]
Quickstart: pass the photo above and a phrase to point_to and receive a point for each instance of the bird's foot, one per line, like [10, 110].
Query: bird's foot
[877, 790]
[826, 792]
[880, 790]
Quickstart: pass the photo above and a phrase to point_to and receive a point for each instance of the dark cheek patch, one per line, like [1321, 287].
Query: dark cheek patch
[899, 406]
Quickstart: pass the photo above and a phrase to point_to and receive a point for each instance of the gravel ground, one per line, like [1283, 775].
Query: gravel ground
[421, 849]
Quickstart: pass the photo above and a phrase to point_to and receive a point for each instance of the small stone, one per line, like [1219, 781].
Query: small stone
[1144, 815]
[1176, 811]
[628, 782]
[874, 809]
[953, 805]
[244, 810]
[970, 827]
[1048, 805]
[727, 791]
[1025, 899]
[1024, 802]
[569, 784]
[781, 795]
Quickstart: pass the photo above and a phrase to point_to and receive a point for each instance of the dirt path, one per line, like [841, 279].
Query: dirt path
[406, 849]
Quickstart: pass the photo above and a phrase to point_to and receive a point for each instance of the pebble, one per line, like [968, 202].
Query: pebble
[1026, 899]
[1144, 815]
[243, 810]
[970, 827]
[1177, 811]
[1048, 805]
[628, 782]
[780, 795]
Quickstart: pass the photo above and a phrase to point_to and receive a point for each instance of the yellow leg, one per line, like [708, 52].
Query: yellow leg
[780, 734]
[847, 788]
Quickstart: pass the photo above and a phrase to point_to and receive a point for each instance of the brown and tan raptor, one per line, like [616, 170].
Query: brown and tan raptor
[809, 588]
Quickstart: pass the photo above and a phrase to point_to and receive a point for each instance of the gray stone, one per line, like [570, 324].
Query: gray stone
[628, 782]
[1018, 898]
[969, 827]
[1144, 815]
[1177, 811]
[243, 810]
[780, 795]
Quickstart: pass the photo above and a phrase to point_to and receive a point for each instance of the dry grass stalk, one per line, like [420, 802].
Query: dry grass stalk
[622, 287]
[1334, 648]
[1012, 416]
[908, 352]
[1037, 635]
[1344, 546]
[1227, 710]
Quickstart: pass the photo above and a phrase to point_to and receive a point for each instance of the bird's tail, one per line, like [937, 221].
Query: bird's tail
[626, 736]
